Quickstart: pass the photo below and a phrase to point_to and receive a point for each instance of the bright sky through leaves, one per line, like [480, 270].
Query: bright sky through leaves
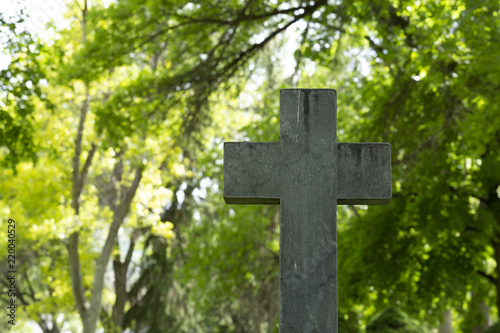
[39, 13]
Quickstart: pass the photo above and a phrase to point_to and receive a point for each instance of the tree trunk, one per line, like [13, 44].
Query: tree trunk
[445, 326]
[486, 313]
[120, 269]
[496, 245]
[49, 325]
[90, 322]
[121, 295]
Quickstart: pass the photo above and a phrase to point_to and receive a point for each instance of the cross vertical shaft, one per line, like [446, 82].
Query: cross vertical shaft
[308, 247]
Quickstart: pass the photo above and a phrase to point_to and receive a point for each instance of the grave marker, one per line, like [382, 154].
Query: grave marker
[308, 173]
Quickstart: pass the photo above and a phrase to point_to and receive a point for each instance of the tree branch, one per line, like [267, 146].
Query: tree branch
[32, 292]
[78, 183]
[487, 276]
[120, 269]
[84, 22]
[86, 166]
[75, 273]
[78, 151]
[116, 177]
[128, 257]
[118, 217]
[354, 210]
[231, 67]
[248, 17]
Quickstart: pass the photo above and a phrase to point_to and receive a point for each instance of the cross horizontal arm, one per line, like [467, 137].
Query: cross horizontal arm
[251, 172]
[364, 173]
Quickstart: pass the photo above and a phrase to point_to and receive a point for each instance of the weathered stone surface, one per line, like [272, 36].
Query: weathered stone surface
[252, 172]
[364, 173]
[307, 173]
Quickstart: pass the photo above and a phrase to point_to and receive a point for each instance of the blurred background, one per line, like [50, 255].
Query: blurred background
[113, 116]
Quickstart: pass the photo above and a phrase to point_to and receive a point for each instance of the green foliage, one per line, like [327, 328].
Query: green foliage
[393, 320]
[495, 328]
[346, 326]
[425, 93]
[20, 89]
[166, 82]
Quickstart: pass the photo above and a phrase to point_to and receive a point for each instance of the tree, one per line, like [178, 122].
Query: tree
[148, 91]
[427, 93]
[207, 64]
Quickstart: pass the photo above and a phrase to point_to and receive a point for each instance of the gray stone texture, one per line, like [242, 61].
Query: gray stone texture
[307, 172]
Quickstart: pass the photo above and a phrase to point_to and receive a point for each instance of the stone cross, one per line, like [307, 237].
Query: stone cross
[307, 173]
